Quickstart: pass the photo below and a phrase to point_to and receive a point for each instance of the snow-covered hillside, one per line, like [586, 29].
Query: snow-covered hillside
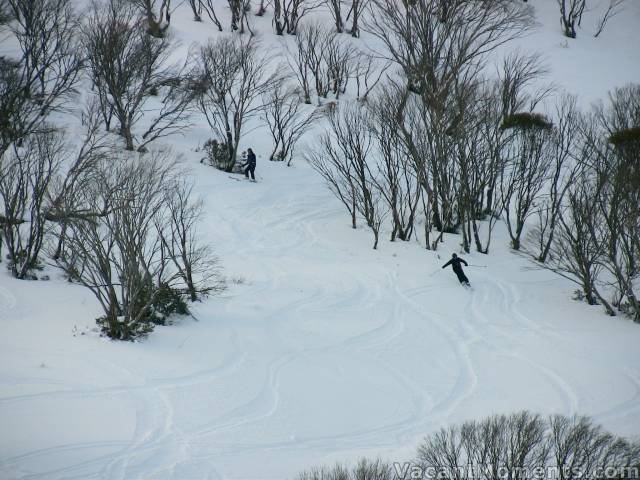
[321, 349]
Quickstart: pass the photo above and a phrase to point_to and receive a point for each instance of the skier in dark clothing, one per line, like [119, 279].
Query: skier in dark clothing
[456, 263]
[250, 164]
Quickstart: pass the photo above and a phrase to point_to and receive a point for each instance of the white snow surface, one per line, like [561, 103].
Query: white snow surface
[322, 349]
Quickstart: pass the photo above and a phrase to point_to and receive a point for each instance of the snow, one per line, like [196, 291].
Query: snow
[322, 349]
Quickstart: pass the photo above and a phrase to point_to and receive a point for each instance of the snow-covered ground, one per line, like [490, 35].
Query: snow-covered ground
[321, 349]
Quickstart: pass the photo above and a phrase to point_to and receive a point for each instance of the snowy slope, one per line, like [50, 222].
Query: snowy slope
[322, 348]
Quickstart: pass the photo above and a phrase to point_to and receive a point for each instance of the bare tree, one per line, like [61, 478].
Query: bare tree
[342, 159]
[567, 160]
[335, 7]
[192, 259]
[26, 174]
[368, 71]
[323, 57]
[520, 445]
[340, 57]
[300, 60]
[232, 77]
[580, 447]
[441, 53]
[141, 255]
[613, 9]
[578, 248]
[196, 8]
[157, 15]
[364, 470]
[571, 14]
[396, 180]
[286, 121]
[211, 12]
[64, 197]
[477, 159]
[128, 67]
[45, 73]
[357, 7]
[239, 10]
[615, 165]
[287, 14]
[528, 154]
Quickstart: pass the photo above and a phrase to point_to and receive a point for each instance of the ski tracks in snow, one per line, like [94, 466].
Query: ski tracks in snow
[494, 306]
[304, 310]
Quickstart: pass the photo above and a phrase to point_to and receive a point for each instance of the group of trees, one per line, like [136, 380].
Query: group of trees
[591, 219]
[121, 224]
[287, 14]
[439, 145]
[444, 145]
[521, 445]
[232, 85]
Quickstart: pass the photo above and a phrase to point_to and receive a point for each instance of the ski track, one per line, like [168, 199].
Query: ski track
[480, 303]
[491, 319]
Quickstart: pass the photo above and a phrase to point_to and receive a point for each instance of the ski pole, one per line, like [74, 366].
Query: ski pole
[479, 266]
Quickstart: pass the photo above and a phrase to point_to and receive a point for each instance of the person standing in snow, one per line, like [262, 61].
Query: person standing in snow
[456, 263]
[250, 164]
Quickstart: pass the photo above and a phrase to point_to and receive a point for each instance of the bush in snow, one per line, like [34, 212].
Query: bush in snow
[218, 154]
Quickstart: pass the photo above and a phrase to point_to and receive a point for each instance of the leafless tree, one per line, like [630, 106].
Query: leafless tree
[118, 256]
[287, 14]
[239, 10]
[571, 12]
[196, 8]
[368, 72]
[342, 158]
[232, 77]
[64, 197]
[321, 56]
[143, 249]
[514, 443]
[476, 137]
[191, 258]
[529, 156]
[208, 7]
[396, 180]
[520, 446]
[613, 9]
[364, 470]
[435, 54]
[157, 14]
[300, 59]
[357, 7]
[45, 73]
[128, 67]
[335, 7]
[581, 447]
[442, 54]
[578, 247]
[615, 165]
[286, 120]
[26, 174]
[340, 58]
[567, 160]
[309, 62]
